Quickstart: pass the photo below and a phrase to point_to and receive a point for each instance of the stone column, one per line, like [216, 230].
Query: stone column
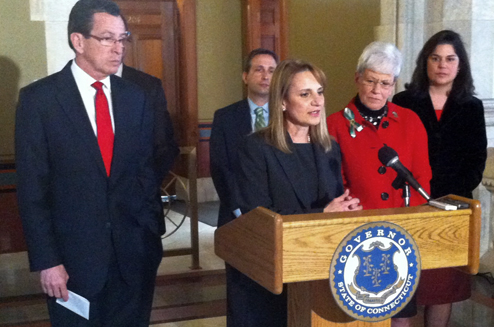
[487, 237]
[402, 23]
[409, 24]
[55, 14]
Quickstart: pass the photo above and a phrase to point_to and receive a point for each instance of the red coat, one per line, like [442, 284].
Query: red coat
[403, 131]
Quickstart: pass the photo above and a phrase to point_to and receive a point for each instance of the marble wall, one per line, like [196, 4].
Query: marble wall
[55, 14]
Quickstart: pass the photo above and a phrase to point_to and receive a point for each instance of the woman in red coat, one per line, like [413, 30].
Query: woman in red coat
[441, 93]
[366, 125]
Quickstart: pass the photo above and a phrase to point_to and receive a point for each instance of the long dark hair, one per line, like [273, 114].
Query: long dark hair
[463, 83]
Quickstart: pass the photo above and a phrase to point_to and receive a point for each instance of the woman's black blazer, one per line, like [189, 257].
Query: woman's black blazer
[272, 179]
[457, 142]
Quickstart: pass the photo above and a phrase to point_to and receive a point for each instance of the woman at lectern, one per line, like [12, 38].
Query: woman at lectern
[290, 167]
[367, 124]
[441, 93]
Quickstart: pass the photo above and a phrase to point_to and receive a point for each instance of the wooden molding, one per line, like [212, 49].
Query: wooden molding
[171, 23]
[265, 24]
[189, 118]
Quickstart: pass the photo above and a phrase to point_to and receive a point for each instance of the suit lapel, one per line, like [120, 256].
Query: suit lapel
[322, 165]
[127, 73]
[451, 109]
[70, 100]
[244, 118]
[125, 115]
[291, 166]
[427, 113]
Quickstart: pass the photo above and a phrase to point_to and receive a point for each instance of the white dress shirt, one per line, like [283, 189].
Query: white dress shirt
[88, 94]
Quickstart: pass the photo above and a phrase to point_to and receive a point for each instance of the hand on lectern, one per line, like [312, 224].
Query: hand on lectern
[344, 202]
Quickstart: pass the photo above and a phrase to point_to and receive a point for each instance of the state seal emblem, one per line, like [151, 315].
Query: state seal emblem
[375, 271]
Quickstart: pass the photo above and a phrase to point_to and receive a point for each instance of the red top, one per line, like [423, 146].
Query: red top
[439, 112]
[403, 131]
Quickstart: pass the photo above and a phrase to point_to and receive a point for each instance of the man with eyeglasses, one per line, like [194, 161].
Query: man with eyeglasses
[86, 183]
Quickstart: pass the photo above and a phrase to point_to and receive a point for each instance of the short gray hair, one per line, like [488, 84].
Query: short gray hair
[381, 57]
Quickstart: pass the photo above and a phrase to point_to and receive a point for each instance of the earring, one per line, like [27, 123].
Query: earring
[284, 109]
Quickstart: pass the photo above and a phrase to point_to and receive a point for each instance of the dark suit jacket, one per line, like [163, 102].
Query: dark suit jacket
[72, 213]
[270, 178]
[230, 125]
[165, 147]
[457, 142]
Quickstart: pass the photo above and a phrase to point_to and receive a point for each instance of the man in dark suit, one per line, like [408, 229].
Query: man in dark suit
[230, 125]
[165, 147]
[86, 181]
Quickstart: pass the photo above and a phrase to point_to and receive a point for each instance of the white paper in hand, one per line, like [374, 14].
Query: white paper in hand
[77, 304]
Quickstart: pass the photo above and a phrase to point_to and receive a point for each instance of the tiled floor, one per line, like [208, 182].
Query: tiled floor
[180, 239]
[15, 280]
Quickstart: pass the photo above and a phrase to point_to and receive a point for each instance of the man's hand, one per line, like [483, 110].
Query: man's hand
[54, 282]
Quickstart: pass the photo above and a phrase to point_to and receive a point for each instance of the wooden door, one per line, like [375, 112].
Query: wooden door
[163, 45]
[151, 50]
[265, 25]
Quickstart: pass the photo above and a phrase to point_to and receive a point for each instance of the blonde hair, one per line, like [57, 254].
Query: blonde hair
[276, 133]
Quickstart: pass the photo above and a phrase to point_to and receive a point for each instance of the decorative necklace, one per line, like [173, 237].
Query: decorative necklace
[375, 120]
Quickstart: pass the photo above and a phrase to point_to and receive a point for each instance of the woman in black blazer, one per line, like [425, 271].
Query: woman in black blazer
[441, 93]
[290, 167]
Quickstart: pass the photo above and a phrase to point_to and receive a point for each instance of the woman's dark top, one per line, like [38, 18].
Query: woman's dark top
[457, 142]
[303, 181]
[457, 154]
[305, 154]
[275, 180]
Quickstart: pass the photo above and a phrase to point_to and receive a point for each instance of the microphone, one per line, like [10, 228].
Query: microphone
[389, 158]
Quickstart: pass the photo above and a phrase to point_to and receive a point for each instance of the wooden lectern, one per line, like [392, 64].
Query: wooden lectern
[297, 249]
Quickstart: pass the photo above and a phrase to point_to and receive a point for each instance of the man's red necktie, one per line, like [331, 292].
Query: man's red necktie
[104, 126]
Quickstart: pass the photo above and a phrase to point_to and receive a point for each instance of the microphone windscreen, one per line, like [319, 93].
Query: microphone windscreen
[386, 154]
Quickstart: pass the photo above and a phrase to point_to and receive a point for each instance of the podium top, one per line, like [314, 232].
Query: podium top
[273, 249]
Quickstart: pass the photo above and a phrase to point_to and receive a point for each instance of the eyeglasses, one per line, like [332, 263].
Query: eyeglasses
[109, 41]
[384, 84]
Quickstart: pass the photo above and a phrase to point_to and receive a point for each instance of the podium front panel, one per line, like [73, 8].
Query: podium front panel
[309, 242]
